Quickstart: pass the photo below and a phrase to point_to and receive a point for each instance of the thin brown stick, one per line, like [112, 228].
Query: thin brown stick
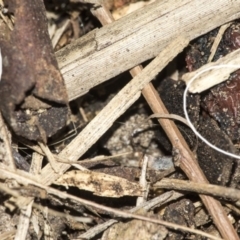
[188, 164]
[201, 188]
[187, 161]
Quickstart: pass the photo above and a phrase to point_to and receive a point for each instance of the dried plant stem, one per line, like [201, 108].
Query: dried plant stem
[201, 188]
[207, 77]
[49, 155]
[24, 220]
[169, 116]
[36, 164]
[137, 37]
[187, 161]
[143, 182]
[217, 40]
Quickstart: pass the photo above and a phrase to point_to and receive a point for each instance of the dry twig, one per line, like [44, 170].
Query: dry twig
[201, 188]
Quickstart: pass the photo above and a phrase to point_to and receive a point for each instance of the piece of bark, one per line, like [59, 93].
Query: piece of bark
[203, 188]
[30, 69]
[106, 52]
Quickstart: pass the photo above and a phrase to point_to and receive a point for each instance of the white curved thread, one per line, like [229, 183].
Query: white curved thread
[186, 114]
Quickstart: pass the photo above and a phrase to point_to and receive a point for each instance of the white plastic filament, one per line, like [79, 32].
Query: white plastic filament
[186, 113]
[0, 64]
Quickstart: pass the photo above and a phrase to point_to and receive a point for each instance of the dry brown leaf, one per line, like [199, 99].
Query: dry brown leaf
[100, 184]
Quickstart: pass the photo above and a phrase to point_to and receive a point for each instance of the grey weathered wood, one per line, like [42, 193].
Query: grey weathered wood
[137, 37]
